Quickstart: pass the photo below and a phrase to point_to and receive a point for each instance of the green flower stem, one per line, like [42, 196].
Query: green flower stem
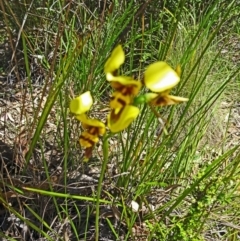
[140, 100]
[99, 189]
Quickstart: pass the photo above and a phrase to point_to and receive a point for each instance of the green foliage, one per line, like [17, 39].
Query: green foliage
[164, 160]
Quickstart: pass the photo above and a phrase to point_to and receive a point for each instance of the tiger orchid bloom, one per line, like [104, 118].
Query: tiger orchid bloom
[93, 128]
[160, 78]
[126, 88]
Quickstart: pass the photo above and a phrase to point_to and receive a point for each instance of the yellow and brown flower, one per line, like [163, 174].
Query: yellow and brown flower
[93, 128]
[160, 78]
[126, 88]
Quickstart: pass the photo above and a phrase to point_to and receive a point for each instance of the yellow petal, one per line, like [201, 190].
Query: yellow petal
[99, 127]
[114, 61]
[163, 100]
[81, 104]
[125, 84]
[159, 77]
[123, 119]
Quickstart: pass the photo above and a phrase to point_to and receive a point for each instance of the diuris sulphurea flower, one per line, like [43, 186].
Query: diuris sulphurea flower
[126, 88]
[93, 128]
[160, 78]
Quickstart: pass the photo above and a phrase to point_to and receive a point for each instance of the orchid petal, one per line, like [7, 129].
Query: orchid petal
[115, 60]
[164, 100]
[160, 77]
[123, 119]
[81, 104]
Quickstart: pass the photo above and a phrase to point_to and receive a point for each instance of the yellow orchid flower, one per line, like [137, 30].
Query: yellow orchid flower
[81, 104]
[163, 99]
[93, 128]
[113, 63]
[121, 120]
[160, 77]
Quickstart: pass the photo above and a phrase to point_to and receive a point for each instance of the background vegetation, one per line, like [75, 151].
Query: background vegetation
[181, 167]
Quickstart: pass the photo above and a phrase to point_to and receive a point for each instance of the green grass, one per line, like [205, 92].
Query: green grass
[175, 162]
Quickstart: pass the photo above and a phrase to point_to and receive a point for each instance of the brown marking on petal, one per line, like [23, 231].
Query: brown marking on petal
[98, 131]
[114, 73]
[124, 89]
[119, 100]
[116, 85]
[128, 90]
[88, 152]
[114, 117]
[164, 100]
[89, 141]
[160, 101]
[93, 130]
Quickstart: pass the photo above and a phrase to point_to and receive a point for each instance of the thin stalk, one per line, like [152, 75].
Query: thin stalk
[99, 189]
